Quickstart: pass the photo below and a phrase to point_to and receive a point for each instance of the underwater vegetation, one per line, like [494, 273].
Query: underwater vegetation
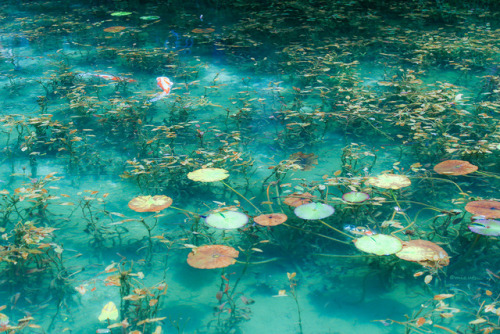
[235, 167]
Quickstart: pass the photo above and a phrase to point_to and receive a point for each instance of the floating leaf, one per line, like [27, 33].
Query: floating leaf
[149, 18]
[270, 219]
[355, 197]
[378, 244]
[227, 220]
[389, 181]
[208, 175]
[150, 203]
[312, 211]
[212, 256]
[121, 13]
[486, 208]
[455, 167]
[114, 29]
[486, 227]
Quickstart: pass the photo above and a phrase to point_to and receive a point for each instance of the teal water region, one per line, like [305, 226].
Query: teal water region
[249, 167]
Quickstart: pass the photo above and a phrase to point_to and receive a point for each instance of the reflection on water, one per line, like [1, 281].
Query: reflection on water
[129, 130]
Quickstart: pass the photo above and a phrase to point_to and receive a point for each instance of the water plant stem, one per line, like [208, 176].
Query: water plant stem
[318, 234]
[336, 229]
[227, 185]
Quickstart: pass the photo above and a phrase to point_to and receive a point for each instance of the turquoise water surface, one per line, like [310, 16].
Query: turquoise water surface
[343, 106]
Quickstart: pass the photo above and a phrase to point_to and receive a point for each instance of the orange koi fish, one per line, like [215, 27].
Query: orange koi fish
[165, 84]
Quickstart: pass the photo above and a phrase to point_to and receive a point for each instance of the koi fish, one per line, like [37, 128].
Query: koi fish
[165, 84]
[358, 230]
[106, 77]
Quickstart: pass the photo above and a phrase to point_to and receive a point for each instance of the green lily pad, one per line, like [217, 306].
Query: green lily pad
[312, 211]
[355, 197]
[489, 227]
[121, 13]
[378, 244]
[208, 175]
[227, 220]
[149, 18]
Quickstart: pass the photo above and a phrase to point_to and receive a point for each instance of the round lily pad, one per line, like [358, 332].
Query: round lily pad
[378, 244]
[312, 211]
[486, 227]
[270, 219]
[486, 208]
[150, 203]
[424, 252]
[208, 175]
[455, 167]
[389, 181]
[212, 256]
[227, 220]
[121, 13]
[355, 197]
[149, 18]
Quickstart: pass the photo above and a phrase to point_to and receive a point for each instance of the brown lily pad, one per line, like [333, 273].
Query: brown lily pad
[424, 252]
[297, 199]
[271, 219]
[150, 203]
[212, 256]
[115, 29]
[486, 208]
[455, 167]
[203, 31]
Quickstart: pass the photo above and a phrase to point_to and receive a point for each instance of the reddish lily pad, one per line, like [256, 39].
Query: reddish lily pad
[486, 208]
[455, 167]
[212, 256]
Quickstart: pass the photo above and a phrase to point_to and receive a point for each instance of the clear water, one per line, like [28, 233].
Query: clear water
[362, 88]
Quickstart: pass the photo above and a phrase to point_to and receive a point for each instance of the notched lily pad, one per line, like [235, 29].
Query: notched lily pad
[378, 244]
[227, 220]
[312, 211]
[486, 227]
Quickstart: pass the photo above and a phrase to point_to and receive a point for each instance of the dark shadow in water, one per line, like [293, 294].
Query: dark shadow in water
[181, 318]
[195, 279]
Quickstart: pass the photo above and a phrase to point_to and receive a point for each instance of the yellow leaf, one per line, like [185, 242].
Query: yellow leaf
[109, 311]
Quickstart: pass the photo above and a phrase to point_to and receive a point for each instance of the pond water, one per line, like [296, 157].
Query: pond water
[151, 151]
